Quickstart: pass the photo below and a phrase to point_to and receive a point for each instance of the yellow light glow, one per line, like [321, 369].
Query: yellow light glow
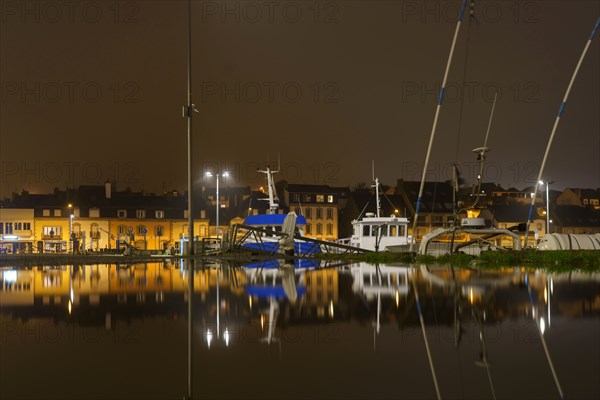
[546, 294]
[70, 307]
[262, 322]
[397, 298]
[250, 302]
[331, 308]
[471, 296]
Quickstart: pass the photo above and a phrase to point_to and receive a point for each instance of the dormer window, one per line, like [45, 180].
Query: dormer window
[159, 214]
[140, 214]
[122, 213]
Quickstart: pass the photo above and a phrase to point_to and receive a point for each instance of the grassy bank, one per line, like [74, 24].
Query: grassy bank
[550, 260]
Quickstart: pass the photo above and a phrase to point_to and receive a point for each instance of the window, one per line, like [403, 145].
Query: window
[306, 198]
[122, 213]
[320, 198]
[330, 198]
[203, 214]
[94, 233]
[1, 228]
[308, 229]
[319, 213]
[9, 228]
[382, 230]
[330, 229]
[141, 230]
[595, 202]
[366, 230]
[308, 212]
[393, 230]
[330, 213]
[298, 211]
[585, 202]
[159, 214]
[46, 213]
[296, 198]
[50, 230]
[18, 226]
[158, 230]
[122, 229]
[94, 213]
[319, 229]
[140, 213]
[57, 213]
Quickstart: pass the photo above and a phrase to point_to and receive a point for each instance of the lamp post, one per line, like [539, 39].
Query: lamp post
[225, 175]
[547, 204]
[70, 207]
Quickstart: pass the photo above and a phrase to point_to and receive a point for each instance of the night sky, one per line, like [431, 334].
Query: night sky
[95, 91]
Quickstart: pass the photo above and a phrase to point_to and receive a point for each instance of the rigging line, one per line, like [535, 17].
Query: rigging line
[435, 119]
[464, 78]
[364, 208]
[556, 121]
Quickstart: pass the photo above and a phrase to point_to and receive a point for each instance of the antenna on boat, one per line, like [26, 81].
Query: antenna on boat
[273, 198]
[435, 118]
[556, 121]
[480, 151]
[376, 186]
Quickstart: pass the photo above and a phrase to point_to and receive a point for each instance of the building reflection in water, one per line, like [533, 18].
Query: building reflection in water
[222, 301]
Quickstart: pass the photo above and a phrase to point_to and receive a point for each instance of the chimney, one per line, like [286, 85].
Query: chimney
[107, 189]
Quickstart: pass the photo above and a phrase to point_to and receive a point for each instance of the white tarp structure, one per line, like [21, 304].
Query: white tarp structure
[570, 241]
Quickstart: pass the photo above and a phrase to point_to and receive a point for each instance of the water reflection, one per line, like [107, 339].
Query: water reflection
[419, 322]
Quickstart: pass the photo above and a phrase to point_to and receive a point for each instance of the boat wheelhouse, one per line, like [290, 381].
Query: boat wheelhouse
[378, 233]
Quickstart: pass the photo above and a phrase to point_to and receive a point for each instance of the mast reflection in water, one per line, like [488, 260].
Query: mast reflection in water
[297, 330]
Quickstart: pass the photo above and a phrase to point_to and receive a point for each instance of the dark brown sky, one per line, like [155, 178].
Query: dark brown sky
[83, 101]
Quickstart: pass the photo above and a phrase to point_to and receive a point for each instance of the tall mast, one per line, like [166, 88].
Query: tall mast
[273, 198]
[376, 186]
[556, 121]
[435, 118]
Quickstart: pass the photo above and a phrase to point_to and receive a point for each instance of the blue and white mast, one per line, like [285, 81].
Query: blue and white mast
[437, 113]
[561, 110]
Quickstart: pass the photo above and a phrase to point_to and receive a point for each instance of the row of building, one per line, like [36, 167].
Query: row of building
[97, 218]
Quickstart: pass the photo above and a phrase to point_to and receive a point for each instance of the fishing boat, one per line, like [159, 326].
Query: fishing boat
[270, 227]
[375, 232]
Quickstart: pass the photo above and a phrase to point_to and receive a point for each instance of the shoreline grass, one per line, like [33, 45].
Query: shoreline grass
[559, 260]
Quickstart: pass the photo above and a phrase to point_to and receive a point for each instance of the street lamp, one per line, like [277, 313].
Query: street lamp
[225, 175]
[71, 216]
[547, 204]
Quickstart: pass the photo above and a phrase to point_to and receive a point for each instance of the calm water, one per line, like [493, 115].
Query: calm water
[305, 331]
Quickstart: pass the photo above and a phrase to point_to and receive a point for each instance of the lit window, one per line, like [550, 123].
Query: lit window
[46, 213]
[320, 198]
[94, 213]
[122, 213]
[159, 214]
[330, 198]
[57, 213]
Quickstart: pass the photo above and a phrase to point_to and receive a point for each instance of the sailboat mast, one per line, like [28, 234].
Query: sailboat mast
[435, 118]
[556, 121]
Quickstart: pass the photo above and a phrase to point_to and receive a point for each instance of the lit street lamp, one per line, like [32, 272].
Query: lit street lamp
[547, 204]
[225, 175]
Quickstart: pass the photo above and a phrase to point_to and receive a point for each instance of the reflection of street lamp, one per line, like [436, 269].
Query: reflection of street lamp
[225, 175]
